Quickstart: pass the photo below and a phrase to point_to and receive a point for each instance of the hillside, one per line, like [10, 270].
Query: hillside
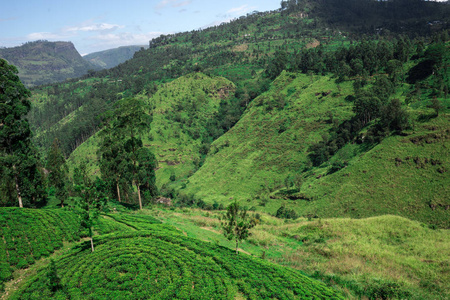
[44, 62]
[326, 125]
[276, 137]
[386, 257]
[267, 154]
[185, 115]
[147, 259]
[112, 57]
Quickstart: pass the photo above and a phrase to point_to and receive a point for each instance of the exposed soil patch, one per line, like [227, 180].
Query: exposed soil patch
[313, 44]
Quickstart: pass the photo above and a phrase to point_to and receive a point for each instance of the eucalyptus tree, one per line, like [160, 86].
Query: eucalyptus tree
[91, 199]
[57, 172]
[20, 173]
[122, 153]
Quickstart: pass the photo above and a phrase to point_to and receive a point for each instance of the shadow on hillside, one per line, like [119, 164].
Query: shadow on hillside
[423, 118]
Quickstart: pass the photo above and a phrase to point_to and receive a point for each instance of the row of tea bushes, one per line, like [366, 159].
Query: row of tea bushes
[162, 264]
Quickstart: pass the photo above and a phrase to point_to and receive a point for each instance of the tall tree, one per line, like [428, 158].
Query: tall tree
[57, 171]
[237, 224]
[122, 142]
[113, 160]
[91, 199]
[20, 173]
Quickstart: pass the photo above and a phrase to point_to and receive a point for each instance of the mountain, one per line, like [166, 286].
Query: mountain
[44, 62]
[328, 120]
[288, 131]
[110, 58]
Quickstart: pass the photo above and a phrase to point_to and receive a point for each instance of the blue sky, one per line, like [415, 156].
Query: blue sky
[104, 24]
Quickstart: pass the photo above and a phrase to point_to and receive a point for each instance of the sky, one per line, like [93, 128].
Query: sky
[95, 25]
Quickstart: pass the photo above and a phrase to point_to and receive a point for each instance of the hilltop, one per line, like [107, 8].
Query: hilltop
[44, 62]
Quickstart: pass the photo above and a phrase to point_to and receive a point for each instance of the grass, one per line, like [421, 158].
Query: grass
[266, 152]
[386, 256]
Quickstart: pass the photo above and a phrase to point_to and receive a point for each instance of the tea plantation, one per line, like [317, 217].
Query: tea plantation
[144, 259]
[28, 235]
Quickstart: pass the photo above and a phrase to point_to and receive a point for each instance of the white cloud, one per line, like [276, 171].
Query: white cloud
[241, 9]
[46, 36]
[95, 27]
[113, 40]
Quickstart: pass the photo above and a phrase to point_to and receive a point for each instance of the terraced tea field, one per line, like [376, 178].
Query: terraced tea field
[27, 235]
[144, 259]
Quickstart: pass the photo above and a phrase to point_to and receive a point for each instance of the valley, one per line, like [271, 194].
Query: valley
[297, 153]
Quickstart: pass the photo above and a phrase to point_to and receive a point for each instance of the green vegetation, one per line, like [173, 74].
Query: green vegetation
[27, 235]
[237, 224]
[44, 62]
[57, 172]
[21, 180]
[159, 264]
[380, 257]
[332, 135]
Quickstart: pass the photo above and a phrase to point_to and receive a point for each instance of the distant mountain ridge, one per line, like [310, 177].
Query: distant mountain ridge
[112, 57]
[44, 62]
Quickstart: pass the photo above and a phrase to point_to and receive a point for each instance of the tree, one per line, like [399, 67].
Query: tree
[113, 160]
[367, 107]
[20, 173]
[237, 224]
[394, 117]
[122, 143]
[91, 199]
[57, 171]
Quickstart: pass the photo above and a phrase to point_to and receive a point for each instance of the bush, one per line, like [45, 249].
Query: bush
[286, 213]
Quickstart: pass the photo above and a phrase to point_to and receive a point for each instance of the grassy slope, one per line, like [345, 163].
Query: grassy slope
[365, 257]
[266, 151]
[193, 98]
[401, 176]
[270, 141]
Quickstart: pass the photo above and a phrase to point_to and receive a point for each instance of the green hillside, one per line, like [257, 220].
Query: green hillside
[112, 57]
[327, 122]
[270, 142]
[151, 260]
[29, 235]
[265, 155]
[44, 62]
[386, 257]
[185, 115]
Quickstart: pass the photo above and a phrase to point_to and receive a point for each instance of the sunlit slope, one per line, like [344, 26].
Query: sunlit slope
[183, 111]
[265, 155]
[270, 142]
[403, 175]
[159, 264]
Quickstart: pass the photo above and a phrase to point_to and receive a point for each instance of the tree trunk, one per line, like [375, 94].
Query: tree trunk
[16, 179]
[139, 196]
[118, 190]
[92, 244]
[237, 243]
